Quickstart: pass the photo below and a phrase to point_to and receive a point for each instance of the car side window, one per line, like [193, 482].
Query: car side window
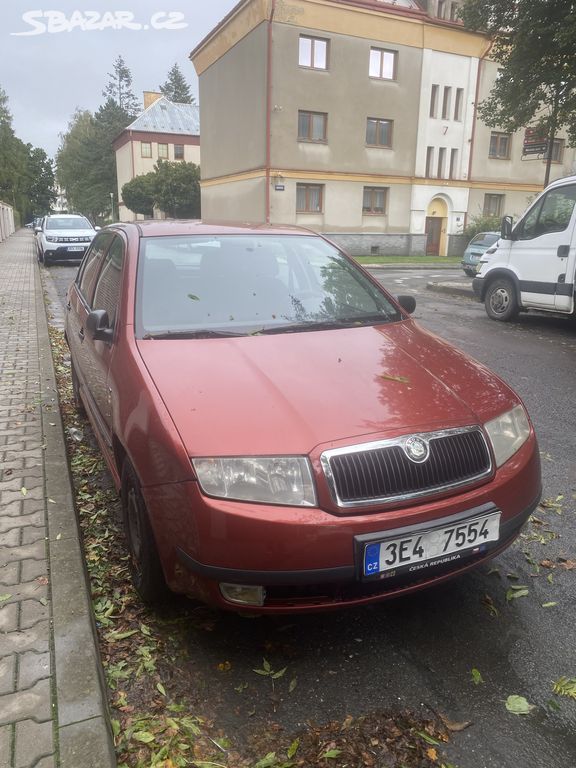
[107, 291]
[89, 266]
[552, 213]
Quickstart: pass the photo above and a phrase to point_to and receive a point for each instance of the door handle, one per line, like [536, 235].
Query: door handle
[563, 251]
[81, 334]
[68, 306]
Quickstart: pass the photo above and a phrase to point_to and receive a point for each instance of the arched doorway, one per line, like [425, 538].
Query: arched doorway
[436, 225]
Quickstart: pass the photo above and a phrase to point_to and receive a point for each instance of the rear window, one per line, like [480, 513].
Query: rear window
[485, 238]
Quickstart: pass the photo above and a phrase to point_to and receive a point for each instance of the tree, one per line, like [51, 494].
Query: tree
[178, 189]
[176, 88]
[86, 160]
[139, 194]
[534, 44]
[172, 187]
[41, 190]
[119, 89]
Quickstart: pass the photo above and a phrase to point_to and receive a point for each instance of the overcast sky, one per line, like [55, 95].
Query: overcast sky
[55, 61]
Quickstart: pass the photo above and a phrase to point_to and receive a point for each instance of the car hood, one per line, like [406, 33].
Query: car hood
[69, 232]
[288, 393]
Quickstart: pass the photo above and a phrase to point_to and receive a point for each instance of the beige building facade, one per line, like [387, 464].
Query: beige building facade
[163, 131]
[357, 118]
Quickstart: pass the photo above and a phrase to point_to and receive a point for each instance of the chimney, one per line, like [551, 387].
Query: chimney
[150, 97]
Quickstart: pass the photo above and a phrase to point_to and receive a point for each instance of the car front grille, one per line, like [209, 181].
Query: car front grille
[383, 471]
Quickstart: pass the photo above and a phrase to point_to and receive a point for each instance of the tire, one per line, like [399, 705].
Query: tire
[144, 562]
[76, 392]
[500, 300]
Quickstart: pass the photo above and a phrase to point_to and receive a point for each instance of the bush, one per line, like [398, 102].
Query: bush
[482, 224]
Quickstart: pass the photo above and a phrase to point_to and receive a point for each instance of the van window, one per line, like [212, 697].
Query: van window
[552, 213]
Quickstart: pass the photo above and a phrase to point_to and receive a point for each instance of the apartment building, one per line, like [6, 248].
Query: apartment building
[165, 130]
[357, 118]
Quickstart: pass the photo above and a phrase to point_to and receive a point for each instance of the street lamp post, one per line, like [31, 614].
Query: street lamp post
[112, 204]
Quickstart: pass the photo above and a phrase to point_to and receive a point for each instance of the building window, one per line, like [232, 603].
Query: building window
[493, 205]
[434, 101]
[309, 198]
[458, 104]
[441, 9]
[146, 149]
[163, 151]
[499, 146]
[374, 200]
[429, 161]
[178, 151]
[378, 132]
[453, 12]
[313, 52]
[453, 163]
[312, 126]
[446, 103]
[441, 162]
[557, 150]
[383, 64]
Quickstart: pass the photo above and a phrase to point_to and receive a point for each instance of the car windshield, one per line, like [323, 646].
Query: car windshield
[77, 223]
[249, 284]
[486, 238]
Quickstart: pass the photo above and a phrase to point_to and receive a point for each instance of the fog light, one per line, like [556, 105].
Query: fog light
[243, 594]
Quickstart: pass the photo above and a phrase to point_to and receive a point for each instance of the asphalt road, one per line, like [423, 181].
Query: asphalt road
[419, 652]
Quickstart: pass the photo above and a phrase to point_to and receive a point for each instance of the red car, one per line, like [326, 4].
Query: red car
[284, 436]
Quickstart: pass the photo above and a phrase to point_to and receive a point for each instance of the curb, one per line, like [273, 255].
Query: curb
[455, 289]
[84, 734]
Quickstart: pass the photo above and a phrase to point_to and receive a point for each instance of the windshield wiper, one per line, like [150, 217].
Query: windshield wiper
[198, 333]
[323, 325]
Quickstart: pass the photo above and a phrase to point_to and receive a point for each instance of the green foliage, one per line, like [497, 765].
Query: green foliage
[119, 88]
[482, 223]
[86, 161]
[172, 187]
[178, 189]
[26, 173]
[534, 44]
[176, 88]
[139, 193]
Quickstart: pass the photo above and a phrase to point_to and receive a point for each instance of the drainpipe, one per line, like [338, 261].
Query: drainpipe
[269, 109]
[480, 60]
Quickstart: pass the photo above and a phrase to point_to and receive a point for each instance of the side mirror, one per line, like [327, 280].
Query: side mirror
[98, 326]
[506, 229]
[97, 229]
[408, 303]
[37, 229]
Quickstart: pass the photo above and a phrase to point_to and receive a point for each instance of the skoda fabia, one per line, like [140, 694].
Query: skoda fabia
[283, 435]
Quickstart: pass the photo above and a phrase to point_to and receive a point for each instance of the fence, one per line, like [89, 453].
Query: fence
[6, 221]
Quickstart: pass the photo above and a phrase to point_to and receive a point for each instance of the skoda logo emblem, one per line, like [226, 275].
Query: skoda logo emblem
[416, 449]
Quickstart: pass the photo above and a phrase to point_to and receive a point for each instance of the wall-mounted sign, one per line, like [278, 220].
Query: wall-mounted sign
[535, 143]
[279, 187]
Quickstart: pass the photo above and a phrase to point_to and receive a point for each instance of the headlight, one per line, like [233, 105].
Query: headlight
[270, 479]
[508, 433]
[51, 239]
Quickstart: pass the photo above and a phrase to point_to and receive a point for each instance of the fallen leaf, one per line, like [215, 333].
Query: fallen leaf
[516, 591]
[431, 754]
[565, 686]
[401, 379]
[476, 676]
[5, 597]
[454, 726]
[518, 705]
[224, 666]
[23, 491]
[549, 605]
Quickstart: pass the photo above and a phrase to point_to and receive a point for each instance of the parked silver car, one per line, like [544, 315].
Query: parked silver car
[475, 248]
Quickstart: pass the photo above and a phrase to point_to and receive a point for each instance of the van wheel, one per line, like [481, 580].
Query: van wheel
[500, 301]
[144, 561]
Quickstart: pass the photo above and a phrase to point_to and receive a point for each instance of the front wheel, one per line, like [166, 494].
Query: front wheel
[500, 300]
[144, 561]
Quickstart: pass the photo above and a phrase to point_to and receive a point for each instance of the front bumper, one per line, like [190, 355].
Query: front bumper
[309, 559]
[66, 252]
[479, 288]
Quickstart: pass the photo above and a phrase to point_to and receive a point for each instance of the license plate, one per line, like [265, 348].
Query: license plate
[75, 248]
[425, 549]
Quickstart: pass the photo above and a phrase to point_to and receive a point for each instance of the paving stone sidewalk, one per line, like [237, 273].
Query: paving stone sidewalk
[52, 695]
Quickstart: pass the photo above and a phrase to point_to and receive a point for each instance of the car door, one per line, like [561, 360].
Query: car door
[543, 249]
[78, 307]
[99, 354]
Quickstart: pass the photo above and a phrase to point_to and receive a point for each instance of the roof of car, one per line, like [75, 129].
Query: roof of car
[163, 227]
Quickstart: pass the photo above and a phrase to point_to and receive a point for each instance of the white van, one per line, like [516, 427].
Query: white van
[532, 265]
